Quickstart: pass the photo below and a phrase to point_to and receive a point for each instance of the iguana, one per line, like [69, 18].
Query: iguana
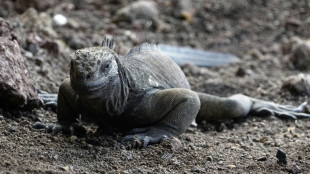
[144, 92]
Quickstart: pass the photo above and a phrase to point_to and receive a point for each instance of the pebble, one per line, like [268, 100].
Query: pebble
[299, 85]
[209, 158]
[231, 166]
[72, 138]
[263, 139]
[196, 169]
[295, 169]
[65, 168]
[281, 155]
[24, 123]
[300, 55]
[38, 125]
[143, 9]
[262, 158]
[60, 19]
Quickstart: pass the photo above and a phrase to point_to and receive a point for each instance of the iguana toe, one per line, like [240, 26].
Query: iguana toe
[74, 129]
[147, 136]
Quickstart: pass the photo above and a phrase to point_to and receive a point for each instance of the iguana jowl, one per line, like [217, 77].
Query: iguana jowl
[146, 92]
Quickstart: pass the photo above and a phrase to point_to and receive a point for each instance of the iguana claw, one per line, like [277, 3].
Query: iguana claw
[49, 100]
[142, 137]
[54, 129]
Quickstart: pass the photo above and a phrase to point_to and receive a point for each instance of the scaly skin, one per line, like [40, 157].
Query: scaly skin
[146, 92]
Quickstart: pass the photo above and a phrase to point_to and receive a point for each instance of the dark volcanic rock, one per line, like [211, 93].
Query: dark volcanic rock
[15, 89]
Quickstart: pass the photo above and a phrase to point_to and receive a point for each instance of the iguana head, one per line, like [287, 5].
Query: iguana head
[93, 69]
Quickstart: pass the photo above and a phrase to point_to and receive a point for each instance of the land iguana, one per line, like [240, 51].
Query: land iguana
[144, 92]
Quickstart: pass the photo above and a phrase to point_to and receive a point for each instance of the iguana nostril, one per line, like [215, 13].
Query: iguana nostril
[88, 76]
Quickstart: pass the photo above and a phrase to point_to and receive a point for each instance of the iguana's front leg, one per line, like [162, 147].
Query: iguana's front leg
[168, 112]
[67, 110]
[215, 108]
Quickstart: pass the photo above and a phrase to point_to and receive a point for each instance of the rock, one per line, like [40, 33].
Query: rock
[209, 158]
[263, 139]
[40, 23]
[262, 158]
[60, 19]
[292, 22]
[240, 72]
[15, 88]
[190, 69]
[299, 84]
[72, 138]
[76, 42]
[184, 10]
[35, 41]
[299, 52]
[65, 168]
[38, 125]
[173, 143]
[145, 10]
[281, 155]
[39, 5]
[295, 169]
[24, 123]
[231, 166]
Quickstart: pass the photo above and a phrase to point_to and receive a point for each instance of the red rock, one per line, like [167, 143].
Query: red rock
[15, 88]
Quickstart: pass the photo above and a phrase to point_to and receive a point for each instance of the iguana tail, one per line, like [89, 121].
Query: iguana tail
[215, 108]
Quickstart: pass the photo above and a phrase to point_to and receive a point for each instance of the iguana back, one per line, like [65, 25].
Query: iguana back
[146, 68]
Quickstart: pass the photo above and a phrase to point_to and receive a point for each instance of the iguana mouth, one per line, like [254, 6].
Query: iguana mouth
[88, 87]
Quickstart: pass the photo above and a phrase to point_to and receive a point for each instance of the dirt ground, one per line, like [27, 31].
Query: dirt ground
[251, 29]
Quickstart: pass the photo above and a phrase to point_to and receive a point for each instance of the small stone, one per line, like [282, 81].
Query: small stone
[191, 69]
[38, 125]
[220, 163]
[262, 158]
[72, 138]
[173, 143]
[12, 129]
[24, 123]
[281, 155]
[139, 10]
[60, 19]
[196, 169]
[295, 169]
[65, 168]
[292, 22]
[240, 72]
[231, 166]
[209, 158]
[263, 139]
[300, 55]
[299, 85]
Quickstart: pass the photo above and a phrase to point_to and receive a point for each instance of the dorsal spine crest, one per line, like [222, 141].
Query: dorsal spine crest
[108, 42]
[143, 48]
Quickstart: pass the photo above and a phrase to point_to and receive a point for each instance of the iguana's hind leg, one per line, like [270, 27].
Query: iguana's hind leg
[215, 108]
[167, 112]
[49, 100]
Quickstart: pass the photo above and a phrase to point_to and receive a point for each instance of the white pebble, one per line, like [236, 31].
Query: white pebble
[60, 19]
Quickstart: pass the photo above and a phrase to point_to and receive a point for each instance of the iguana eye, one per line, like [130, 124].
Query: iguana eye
[105, 66]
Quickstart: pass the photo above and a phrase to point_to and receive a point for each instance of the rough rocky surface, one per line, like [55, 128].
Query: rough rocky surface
[256, 31]
[15, 88]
